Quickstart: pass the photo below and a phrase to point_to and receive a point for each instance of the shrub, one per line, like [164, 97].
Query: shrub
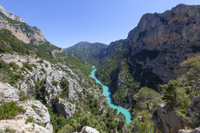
[30, 119]
[65, 87]
[10, 109]
[42, 69]
[54, 82]
[40, 61]
[8, 130]
[172, 94]
[66, 129]
[14, 65]
[27, 66]
[22, 96]
[145, 125]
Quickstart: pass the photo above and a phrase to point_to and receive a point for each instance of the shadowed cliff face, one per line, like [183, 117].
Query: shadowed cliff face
[21, 30]
[161, 42]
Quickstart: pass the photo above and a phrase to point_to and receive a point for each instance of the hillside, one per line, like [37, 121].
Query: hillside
[154, 73]
[156, 47]
[43, 88]
[87, 51]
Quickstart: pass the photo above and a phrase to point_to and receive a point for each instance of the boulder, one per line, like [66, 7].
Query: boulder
[197, 130]
[166, 120]
[87, 129]
[196, 99]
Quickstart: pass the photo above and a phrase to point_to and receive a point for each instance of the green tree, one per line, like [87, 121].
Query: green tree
[192, 68]
[146, 99]
[66, 129]
[145, 125]
[172, 94]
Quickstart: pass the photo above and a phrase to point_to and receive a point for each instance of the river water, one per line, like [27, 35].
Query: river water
[107, 93]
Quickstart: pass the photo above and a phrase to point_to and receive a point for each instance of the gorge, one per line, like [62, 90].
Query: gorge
[107, 93]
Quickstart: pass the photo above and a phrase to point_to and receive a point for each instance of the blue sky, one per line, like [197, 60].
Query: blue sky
[67, 22]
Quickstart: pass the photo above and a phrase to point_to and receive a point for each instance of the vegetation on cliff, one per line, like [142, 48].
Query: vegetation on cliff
[87, 51]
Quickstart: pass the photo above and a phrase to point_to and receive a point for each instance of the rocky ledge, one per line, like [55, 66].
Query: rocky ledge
[34, 109]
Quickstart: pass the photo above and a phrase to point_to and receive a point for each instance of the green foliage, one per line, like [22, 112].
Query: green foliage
[65, 87]
[192, 68]
[8, 130]
[30, 119]
[40, 87]
[184, 116]
[10, 44]
[7, 75]
[145, 125]
[126, 89]
[22, 96]
[54, 82]
[29, 67]
[87, 51]
[10, 109]
[77, 64]
[57, 121]
[14, 65]
[42, 69]
[146, 99]
[41, 124]
[44, 49]
[93, 104]
[172, 94]
[40, 61]
[66, 129]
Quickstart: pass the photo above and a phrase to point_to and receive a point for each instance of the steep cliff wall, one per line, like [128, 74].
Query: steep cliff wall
[21, 30]
[161, 41]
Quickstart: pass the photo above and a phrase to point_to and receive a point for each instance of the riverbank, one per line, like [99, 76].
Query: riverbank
[107, 93]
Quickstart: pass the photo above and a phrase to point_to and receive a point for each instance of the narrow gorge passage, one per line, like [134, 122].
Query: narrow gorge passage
[107, 93]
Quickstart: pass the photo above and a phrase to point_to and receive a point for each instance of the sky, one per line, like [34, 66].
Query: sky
[66, 22]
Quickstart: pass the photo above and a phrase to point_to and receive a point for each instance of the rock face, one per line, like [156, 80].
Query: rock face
[34, 109]
[51, 72]
[10, 15]
[87, 129]
[197, 130]
[21, 30]
[161, 42]
[167, 121]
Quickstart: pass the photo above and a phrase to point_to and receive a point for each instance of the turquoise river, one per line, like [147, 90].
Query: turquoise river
[107, 93]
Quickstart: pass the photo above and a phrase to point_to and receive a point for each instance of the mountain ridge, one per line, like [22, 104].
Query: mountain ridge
[87, 51]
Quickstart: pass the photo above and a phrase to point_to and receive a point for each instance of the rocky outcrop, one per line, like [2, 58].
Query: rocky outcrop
[197, 130]
[161, 42]
[34, 109]
[10, 15]
[52, 72]
[57, 51]
[65, 108]
[87, 129]
[167, 121]
[21, 30]
[8, 93]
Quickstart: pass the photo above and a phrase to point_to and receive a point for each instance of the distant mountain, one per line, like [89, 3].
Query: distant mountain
[44, 85]
[87, 51]
[151, 54]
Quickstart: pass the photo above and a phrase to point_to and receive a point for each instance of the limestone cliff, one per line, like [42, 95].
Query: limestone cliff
[161, 42]
[168, 120]
[18, 123]
[10, 15]
[21, 30]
